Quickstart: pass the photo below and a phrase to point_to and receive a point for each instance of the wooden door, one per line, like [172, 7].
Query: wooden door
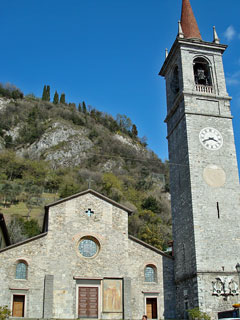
[151, 308]
[18, 306]
[88, 302]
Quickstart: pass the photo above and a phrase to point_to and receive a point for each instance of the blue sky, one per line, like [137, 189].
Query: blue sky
[109, 52]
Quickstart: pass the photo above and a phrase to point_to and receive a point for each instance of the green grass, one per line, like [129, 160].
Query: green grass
[21, 209]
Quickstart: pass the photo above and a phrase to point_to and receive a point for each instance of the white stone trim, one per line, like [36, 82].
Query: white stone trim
[146, 295]
[19, 292]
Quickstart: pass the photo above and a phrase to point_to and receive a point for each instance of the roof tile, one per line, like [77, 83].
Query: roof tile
[188, 22]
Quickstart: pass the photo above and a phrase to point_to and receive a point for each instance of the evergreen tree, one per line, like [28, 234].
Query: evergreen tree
[48, 93]
[62, 98]
[134, 131]
[84, 108]
[44, 94]
[56, 98]
[79, 107]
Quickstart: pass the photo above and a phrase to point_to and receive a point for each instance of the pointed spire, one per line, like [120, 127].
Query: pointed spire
[166, 53]
[215, 36]
[180, 32]
[188, 21]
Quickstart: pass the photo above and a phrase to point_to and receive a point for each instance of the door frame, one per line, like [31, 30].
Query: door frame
[25, 302]
[99, 297]
[151, 296]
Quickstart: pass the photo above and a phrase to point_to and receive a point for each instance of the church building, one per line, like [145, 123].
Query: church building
[85, 265]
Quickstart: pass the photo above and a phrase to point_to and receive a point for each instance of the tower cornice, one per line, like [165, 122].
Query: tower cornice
[183, 94]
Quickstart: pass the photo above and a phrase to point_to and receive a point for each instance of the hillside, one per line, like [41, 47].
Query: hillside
[52, 150]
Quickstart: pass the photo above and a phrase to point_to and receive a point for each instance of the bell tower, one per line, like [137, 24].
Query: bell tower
[204, 180]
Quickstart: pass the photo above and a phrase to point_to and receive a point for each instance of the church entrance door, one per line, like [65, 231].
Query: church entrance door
[18, 306]
[151, 308]
[88, 302]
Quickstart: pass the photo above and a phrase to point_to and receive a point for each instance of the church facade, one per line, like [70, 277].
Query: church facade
[85, 265]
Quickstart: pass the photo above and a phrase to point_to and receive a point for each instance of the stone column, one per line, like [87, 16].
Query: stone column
[127, 298]
[48, 296]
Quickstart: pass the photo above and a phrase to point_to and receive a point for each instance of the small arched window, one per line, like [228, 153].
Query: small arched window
[202, 73]
[150, 273]
[21, 270]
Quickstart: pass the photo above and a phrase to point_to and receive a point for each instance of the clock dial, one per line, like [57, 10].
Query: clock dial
[211, 138]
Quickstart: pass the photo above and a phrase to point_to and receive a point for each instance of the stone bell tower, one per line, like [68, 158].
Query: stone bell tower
[204, 180]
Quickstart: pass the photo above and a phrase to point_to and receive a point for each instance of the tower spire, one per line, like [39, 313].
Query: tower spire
[188, 21]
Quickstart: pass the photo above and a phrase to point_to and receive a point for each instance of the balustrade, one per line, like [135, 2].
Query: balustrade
[202, 88]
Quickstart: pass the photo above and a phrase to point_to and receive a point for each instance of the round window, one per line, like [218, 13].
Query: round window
[88, 247]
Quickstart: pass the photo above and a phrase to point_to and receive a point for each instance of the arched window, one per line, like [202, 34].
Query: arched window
[202, 72]
[150, 273]
[21, 270]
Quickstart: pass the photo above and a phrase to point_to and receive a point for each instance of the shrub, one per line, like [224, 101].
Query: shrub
[197, 314]
[93, 134]
[4, 312]
[10, 91]
[20, 229]
[150, 203]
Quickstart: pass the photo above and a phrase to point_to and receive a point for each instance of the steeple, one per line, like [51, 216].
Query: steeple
[188, 22]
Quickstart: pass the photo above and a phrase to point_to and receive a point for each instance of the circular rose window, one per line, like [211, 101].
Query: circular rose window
[88, 247]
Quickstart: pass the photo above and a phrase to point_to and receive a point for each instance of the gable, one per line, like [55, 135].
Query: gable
[82, 204]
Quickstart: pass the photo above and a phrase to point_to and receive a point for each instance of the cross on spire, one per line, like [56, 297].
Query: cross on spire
[188, 22]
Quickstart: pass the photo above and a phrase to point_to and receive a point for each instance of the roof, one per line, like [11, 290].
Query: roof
[142, 243]
[41, 235]
[4, 230]
[188, 22]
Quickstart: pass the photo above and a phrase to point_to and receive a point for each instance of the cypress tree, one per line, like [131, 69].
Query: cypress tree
[84, 108]
[62, 98]
[44, 94]
[79, 107]
[134, 131]
[56, 98]
[48, 93]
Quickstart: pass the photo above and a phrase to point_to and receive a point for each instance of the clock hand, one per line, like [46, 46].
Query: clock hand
[210, 138]
[207, 139]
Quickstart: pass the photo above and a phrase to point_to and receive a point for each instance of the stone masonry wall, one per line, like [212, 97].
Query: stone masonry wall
[56, 268]
[163, 289]
[204, 183]
[34, 254]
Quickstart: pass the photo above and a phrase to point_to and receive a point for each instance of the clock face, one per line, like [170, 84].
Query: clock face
[211, 138]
